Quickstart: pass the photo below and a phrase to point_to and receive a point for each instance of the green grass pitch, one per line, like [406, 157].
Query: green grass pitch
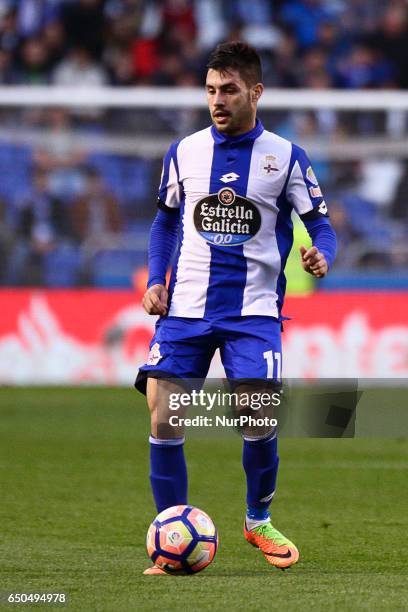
[75, 506]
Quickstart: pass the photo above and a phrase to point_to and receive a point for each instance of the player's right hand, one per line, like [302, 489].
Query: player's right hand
[313, 261]
[155, 300]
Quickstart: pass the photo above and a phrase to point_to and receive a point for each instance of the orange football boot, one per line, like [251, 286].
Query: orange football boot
[275, 547]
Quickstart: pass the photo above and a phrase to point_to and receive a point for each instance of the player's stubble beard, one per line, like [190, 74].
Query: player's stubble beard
[241, 120]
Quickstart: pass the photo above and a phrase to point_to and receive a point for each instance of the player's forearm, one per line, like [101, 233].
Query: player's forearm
[323, 237]
[162, 242]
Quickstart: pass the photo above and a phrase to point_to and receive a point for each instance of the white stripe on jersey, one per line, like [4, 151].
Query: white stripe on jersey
[262, 253]
[193, 268]
[173, 187]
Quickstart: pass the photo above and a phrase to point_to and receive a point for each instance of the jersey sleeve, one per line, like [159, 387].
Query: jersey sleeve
[162, 242]
[305, 196]
[303, 190]
[170, 190]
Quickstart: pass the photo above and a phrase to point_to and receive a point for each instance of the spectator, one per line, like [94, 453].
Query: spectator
[121, 70]
[391, 38]
[211, 24]
[55, 42]
[84, 25]
[171, 69]
[284, 69]
[364, 68]
[347, 235]
[7, 74]
[178, 14]
[59, 155]
[359, 18]
[40, 223]
[34, 62]
[304, 18]
[95, 213]
[32, 15]
[80, 70]
[313, 69]
[256, 21]
[9, 35]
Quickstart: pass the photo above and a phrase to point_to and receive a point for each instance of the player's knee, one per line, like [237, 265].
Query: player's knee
[165, 424]
[251, 434]
[162, 425]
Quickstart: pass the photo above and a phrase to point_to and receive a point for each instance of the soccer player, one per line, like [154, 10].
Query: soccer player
[225, 199]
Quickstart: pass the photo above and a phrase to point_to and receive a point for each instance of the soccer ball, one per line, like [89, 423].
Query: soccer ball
[182, 540]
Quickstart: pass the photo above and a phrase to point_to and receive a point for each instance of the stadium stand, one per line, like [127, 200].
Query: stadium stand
[316, 44]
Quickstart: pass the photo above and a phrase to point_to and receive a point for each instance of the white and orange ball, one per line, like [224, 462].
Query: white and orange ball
[182, 540]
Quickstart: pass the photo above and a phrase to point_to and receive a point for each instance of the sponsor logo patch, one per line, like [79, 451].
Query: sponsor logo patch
[226, 218]
[311, 176]
[315, 192]
[154, 354]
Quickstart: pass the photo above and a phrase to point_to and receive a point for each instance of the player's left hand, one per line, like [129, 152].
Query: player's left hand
[313, 261]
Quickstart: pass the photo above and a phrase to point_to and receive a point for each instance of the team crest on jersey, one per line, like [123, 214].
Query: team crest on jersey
[154, 354]
[268, 165]
[226, 218]
[226, 196]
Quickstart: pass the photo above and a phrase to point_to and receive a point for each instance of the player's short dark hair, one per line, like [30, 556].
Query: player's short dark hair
[237, 56]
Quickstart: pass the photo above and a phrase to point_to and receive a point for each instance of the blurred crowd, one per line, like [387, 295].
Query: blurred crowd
[350, 44]
[72, 214]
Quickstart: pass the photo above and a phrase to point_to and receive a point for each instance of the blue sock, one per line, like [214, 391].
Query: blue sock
[168, 472]
[260, 460]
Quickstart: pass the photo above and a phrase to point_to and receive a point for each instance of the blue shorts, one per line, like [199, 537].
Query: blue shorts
[250, 348]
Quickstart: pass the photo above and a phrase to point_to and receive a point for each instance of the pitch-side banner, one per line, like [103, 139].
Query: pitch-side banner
[101, 337]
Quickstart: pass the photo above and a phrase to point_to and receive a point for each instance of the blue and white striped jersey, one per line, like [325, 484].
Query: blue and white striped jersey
[235, 196]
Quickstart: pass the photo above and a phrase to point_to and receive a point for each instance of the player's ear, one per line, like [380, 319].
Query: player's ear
[257, 91]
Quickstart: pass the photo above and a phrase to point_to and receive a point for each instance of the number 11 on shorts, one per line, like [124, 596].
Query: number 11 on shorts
[271, 359]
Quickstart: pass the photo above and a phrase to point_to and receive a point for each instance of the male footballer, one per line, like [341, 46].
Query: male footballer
[225, 201]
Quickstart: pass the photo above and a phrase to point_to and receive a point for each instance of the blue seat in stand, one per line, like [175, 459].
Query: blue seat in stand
[62, 267]
[114, 268]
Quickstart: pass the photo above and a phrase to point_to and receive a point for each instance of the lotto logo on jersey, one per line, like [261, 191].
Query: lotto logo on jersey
[226, 219]
[322, 208]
